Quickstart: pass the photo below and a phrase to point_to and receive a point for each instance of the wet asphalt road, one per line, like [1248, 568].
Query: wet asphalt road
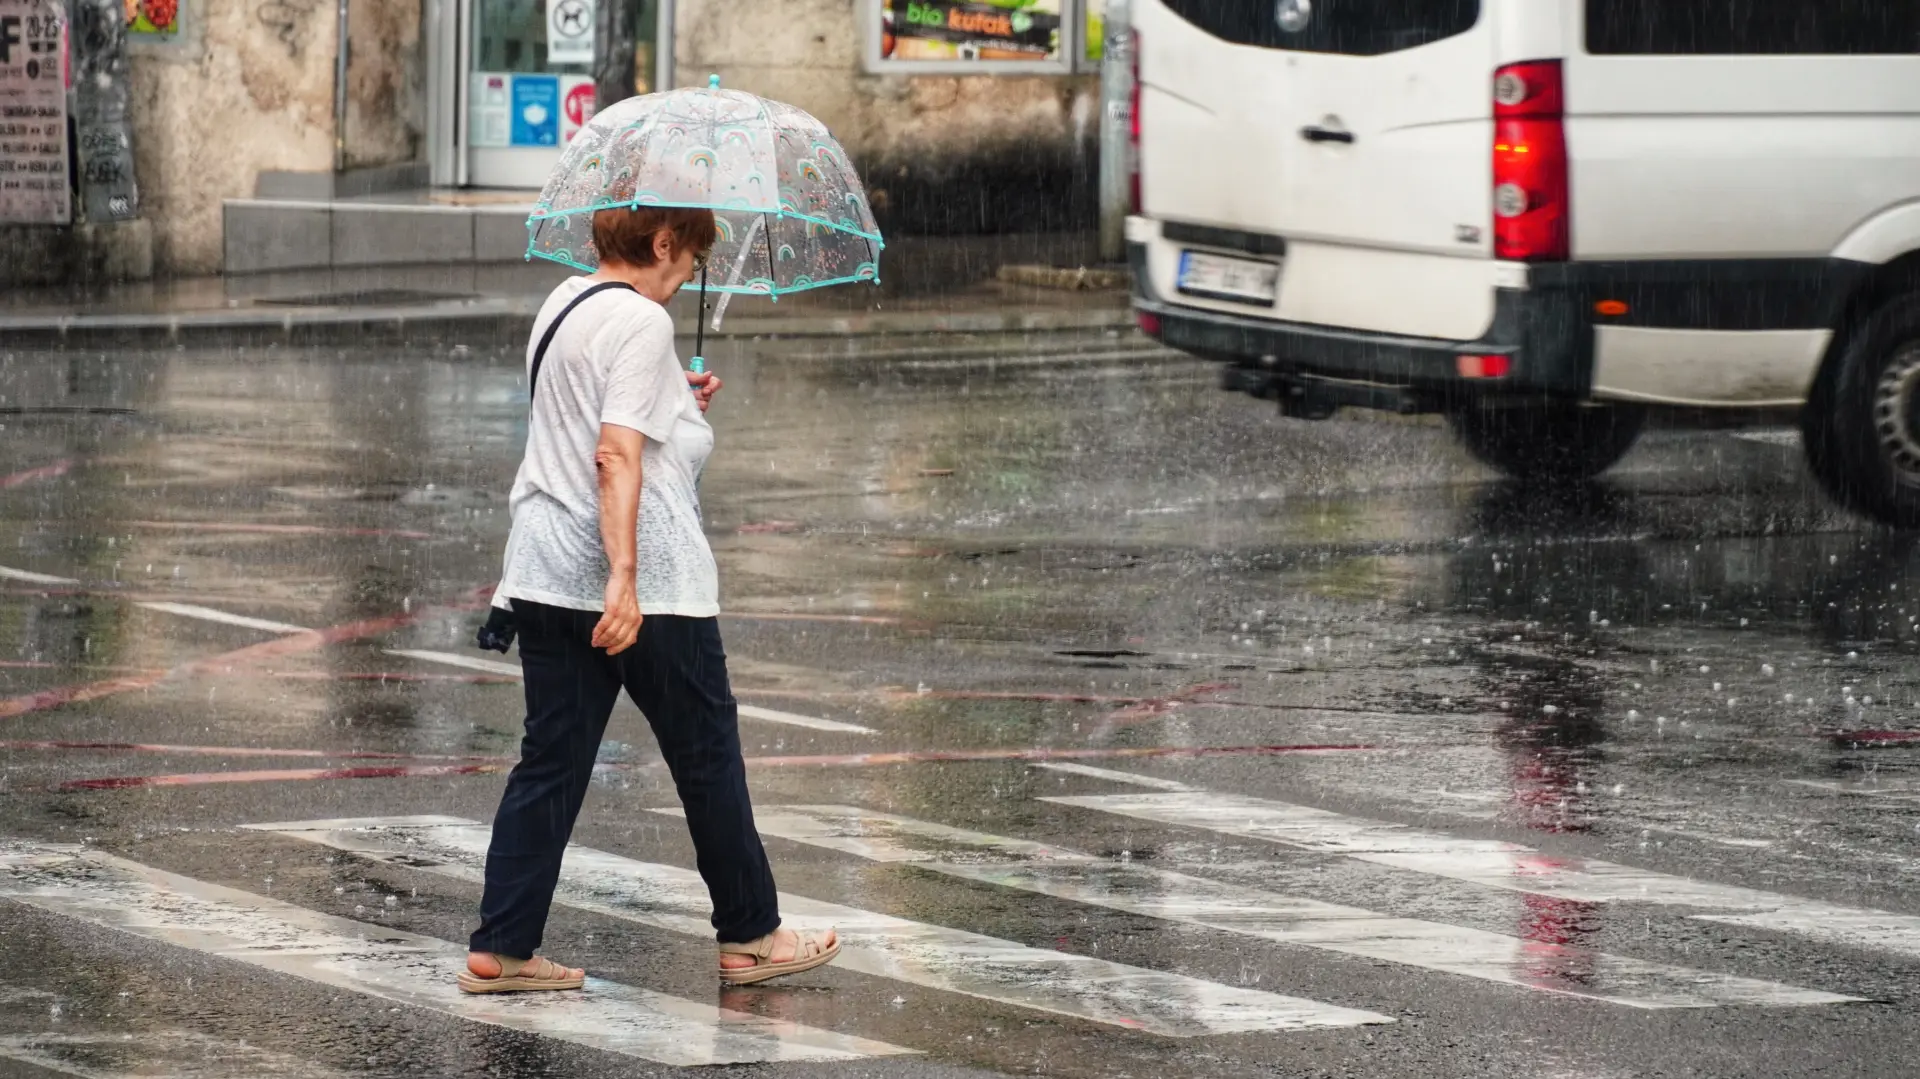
[1376, 766]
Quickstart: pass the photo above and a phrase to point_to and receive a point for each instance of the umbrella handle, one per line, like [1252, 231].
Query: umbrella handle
[700, 328]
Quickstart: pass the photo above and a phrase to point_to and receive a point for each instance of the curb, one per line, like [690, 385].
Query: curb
[489, 321]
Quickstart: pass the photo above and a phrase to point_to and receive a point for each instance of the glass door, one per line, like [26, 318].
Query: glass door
[529, 75]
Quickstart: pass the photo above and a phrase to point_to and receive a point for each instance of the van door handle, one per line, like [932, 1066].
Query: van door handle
[1316, 133]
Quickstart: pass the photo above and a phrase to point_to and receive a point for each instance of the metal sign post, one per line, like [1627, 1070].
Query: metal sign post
[1116, 100]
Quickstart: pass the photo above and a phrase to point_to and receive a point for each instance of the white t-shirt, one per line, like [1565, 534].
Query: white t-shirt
[612, 361]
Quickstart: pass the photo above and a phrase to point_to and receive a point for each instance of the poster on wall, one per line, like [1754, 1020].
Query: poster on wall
[511, 110]
[102, 89]
[33, 114]
[981, 30]
[149, 20]
[536, 110]
[570, 27]
[576, 104]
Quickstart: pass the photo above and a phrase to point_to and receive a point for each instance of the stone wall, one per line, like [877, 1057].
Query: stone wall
[941, 154]
[386, 82]
[248, 88]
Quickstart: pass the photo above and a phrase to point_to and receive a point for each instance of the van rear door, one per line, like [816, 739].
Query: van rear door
[1358, 130]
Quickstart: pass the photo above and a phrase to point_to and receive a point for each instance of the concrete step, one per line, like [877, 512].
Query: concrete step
[264, 235]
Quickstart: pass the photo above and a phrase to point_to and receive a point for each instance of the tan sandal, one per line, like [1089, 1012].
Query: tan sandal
[810, 950]
[524, 975]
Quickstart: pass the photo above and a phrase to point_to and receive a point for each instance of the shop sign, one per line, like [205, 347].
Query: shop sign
[152, 20]
[983, 31]
[570, 27]
[34, 186]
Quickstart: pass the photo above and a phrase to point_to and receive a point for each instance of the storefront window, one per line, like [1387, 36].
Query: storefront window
[983, 36]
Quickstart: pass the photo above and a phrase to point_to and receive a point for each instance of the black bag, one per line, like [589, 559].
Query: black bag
[498, 633]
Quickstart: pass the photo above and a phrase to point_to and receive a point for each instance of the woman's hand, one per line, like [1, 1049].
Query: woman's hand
[619, 624]
[705, 385]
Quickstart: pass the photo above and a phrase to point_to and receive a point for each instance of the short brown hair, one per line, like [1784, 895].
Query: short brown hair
[622, 234]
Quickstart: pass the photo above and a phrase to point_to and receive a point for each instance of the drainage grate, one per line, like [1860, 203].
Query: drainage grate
[379, 297]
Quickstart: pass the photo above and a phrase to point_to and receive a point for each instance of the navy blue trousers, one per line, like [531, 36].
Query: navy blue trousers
[677, 674]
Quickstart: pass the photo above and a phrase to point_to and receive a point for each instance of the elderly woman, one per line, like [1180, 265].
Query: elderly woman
[611, 585]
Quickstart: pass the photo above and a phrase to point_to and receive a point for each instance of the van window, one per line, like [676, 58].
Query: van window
[1355, 27]
[1752, 27]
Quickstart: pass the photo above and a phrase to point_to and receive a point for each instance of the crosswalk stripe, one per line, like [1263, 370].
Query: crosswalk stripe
[455, 659]
[31, 577]
[1112, 775]
[936, 957]
[177, 1054]
[1510, 866]
[772, 715]
[209, 614]
[1178, 897]
[747, 711]
[404, 968]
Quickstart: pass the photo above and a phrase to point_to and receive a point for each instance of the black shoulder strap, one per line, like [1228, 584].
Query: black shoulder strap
[540, 353]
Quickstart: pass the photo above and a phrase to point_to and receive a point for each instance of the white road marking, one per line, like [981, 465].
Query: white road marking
[747, 711]
[1177, 897]
[176, 1054]
[31, 577]
[455, 659]
[103, 890]
[1112, 776]
[671, 898]
[770, 715]
[208, 614]
[1781, 436]
[1498, 864]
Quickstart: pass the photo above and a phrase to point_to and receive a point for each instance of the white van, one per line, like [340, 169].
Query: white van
[1544, 217]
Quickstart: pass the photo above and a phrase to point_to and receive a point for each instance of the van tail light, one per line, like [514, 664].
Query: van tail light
[1133, 125]
[1531, 218]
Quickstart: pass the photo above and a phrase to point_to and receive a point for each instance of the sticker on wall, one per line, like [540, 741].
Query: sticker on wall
[153, 18]
[570, 25]
[536, 110]
[490, 123]
[576, 104]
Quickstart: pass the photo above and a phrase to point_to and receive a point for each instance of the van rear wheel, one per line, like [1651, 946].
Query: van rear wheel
[1861, 427]
[1549, 440]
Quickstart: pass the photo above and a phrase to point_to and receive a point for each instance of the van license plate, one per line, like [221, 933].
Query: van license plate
[1222, 277]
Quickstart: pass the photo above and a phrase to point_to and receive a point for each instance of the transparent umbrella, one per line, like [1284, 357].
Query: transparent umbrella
[792, 212]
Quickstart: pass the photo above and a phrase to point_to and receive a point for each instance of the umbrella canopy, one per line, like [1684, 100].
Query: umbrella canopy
[792, 212]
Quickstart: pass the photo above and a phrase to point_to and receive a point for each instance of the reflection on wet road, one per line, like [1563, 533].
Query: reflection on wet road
[1121, 726]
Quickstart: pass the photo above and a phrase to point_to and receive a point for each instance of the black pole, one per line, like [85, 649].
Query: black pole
[700, 327]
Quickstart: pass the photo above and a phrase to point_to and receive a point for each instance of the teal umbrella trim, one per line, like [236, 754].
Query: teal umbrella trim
[565, 258]
[544, 214]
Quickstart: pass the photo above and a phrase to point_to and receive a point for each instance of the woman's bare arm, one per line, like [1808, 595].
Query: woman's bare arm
[617, 462]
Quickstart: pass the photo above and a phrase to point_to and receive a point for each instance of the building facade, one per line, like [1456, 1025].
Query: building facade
[965, 116]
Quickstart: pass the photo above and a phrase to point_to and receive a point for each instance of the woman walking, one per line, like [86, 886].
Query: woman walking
[612, 585]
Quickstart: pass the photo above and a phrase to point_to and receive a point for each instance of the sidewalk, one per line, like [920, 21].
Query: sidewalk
[486, 302]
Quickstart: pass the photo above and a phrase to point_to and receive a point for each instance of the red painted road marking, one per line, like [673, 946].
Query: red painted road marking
[394, 676]
[197, 779]
[927, 756]
[34, 475]
[277, 648]
[244, 751]
[1875, 738]
[275, 530]
[41, 665]
[853, 760]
